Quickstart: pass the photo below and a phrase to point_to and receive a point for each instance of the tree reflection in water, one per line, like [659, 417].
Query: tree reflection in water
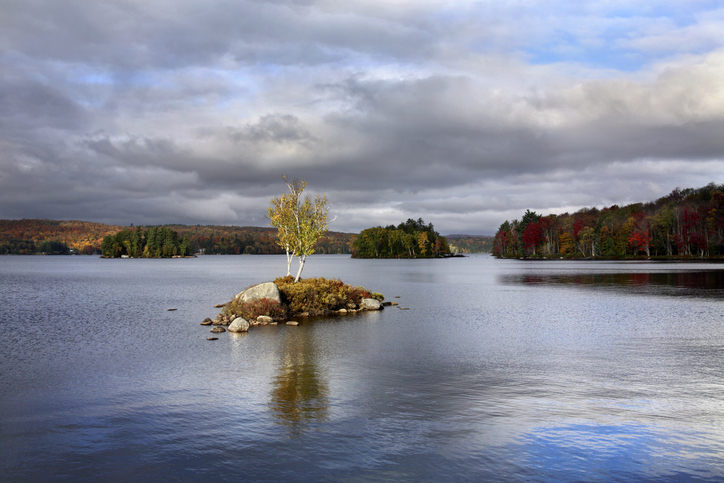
[695, 283]
[300, 396]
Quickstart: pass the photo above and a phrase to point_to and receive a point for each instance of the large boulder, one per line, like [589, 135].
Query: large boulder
[267, 290]
[370, 304]
[239, 325]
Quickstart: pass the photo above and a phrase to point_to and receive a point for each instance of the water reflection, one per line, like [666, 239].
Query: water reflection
[300, 395]
[697, 284]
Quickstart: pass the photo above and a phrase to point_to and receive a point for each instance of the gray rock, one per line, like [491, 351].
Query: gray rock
[264, 319]
[218, 329]
[267, 290]
[239, 325]
[292, 322]
[370, 304]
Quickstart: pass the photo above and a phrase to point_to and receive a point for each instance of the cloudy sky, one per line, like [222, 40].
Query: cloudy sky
[463, 113]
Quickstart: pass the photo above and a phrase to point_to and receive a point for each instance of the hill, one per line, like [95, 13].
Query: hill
[25, 237]
[470, 243]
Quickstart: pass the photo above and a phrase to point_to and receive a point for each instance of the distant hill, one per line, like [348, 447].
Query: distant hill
[470, 243]
[51, 236]
[61, 237]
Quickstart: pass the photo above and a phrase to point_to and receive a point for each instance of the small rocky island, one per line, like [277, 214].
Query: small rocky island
[283, 300]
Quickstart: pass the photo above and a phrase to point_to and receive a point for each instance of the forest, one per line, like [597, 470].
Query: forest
[154, 242]
[687, 223]
[411, 239]
[29, 237]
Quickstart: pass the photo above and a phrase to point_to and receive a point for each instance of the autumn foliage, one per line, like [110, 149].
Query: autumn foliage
[27, 237]
[686, 223]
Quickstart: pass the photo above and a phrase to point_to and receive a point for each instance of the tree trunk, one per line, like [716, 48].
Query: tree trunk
[302, 259]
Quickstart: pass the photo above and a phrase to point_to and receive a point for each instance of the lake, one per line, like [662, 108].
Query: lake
[500, 370]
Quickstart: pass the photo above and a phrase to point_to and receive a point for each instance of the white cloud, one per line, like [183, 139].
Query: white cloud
[462, 113]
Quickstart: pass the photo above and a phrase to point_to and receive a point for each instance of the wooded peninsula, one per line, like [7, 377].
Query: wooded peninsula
[687, 223]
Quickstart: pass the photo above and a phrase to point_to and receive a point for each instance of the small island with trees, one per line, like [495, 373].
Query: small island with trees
[154, 242]
[411, 239]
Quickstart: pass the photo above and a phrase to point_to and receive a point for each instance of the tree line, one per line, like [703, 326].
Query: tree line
[470, 243]
[154, 242]
[685, 223]
[411, 239]
[31, 236]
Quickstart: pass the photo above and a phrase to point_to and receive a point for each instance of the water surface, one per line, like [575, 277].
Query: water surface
[501, 370]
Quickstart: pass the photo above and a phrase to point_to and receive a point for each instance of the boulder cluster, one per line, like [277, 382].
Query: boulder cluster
[225, 321]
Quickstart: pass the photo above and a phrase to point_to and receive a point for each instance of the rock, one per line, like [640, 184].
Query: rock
[171, 310]
[212, 338]
[389, 304]
[304, 314]
[207, 321]
[231, 318]
[370, 304]
[292, 322]
[218, 306]
[351, 305]
[217, 330]
[342, 311]
[267, 290]
[217, 321]
[264, 319]
[239, 325]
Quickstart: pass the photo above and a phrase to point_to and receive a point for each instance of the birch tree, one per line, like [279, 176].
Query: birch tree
[299, 223]
[281, 214]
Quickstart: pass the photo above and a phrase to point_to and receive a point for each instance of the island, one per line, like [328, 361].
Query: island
[284, 300]
[411, 239]
[154, 242]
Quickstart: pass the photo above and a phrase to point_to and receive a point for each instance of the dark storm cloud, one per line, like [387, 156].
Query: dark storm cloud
[463, 114]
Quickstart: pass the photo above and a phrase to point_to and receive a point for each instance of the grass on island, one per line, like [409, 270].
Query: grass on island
[311, 296]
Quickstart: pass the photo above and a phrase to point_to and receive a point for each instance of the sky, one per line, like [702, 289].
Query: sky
[462, 113]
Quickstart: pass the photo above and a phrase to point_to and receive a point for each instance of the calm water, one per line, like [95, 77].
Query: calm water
[501, 370]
